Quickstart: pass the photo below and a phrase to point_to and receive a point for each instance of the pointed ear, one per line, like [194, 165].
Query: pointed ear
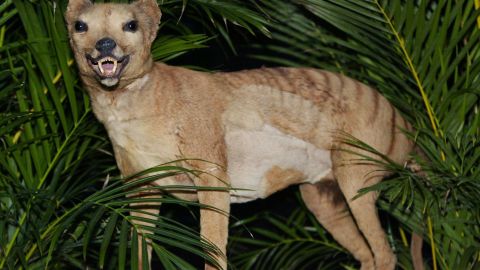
[152, 11]
[74, 8]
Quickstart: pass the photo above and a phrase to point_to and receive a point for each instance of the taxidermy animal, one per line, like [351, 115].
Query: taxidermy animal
[262, 130]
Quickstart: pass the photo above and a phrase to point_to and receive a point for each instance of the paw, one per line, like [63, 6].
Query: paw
[365, 257]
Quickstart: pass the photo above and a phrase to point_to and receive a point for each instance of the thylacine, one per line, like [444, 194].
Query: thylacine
[270, 128]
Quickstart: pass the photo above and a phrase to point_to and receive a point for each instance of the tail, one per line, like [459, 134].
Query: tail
[416, 251]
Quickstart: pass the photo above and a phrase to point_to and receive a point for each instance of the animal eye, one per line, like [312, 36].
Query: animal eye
[81, 26]
[131, 26]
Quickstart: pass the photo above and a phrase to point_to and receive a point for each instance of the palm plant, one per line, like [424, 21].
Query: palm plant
[63, 205]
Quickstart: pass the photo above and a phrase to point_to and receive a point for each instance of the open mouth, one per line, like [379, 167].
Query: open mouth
[108, 66]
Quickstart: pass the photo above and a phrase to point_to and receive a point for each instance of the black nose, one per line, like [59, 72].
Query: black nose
[105, 45]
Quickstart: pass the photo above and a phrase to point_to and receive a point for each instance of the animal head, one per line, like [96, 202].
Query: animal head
[112, 42]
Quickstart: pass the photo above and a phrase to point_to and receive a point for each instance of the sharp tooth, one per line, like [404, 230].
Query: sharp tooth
[114, 66]
[100, 66]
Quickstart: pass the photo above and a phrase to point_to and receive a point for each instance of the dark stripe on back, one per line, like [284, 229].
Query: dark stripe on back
[310, 81]
[283, 77]
[340, 89]
[327, 80]
[328, 87]
[376, 105]
[271, 79]
[392, 130]
[359, 89]
[321, 86]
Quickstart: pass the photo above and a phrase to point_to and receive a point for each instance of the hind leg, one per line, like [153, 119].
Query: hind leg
[351, 178]
[326, 202]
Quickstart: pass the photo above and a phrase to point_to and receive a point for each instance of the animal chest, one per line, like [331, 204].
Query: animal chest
[140, 144]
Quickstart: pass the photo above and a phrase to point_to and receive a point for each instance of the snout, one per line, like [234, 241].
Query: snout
[105, 46]
[108, 62]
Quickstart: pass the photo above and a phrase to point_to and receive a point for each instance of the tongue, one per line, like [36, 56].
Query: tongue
[108, 68]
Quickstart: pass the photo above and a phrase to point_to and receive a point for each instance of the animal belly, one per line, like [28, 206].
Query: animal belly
[264, 160]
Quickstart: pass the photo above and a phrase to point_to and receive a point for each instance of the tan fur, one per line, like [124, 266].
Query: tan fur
[269, 128]
[278, 178]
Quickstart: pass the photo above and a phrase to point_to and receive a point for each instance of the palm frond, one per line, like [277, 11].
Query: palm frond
[296, 243]
[215, 17]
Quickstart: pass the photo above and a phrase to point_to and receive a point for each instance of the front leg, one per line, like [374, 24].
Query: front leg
[140, 212]
[215, 213]
[205, 142]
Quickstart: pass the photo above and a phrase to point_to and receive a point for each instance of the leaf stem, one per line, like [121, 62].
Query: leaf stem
[409, 62]
[432, 242]
[477, 6]
[404, 237]
[2, 35]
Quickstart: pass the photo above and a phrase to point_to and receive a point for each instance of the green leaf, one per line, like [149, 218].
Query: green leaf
[123, 245]
[107, 237]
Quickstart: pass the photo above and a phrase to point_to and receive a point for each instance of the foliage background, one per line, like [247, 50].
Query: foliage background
[62, 205]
